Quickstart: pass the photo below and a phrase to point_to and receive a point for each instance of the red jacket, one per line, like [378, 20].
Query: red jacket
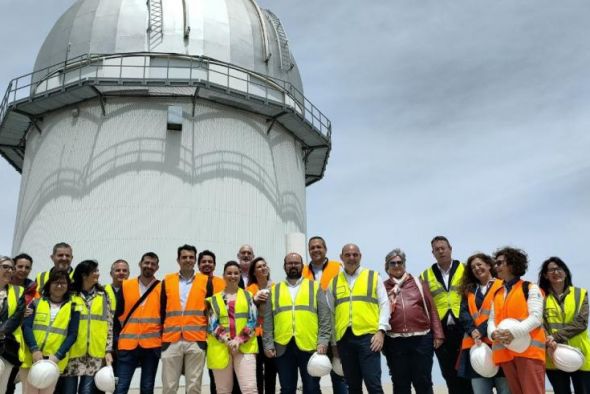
[408, 314]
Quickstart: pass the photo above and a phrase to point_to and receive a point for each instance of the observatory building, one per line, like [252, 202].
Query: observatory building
[145, 126]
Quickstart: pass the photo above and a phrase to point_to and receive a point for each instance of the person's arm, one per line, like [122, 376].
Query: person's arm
[578, 325]
[268, 326]
[28, 335]
[491, 321]
[324, 319]
[109, 347]
[14, 321]
[384, 307]
[535, 306]
[72, 334]
[120, 303]
[216, 329]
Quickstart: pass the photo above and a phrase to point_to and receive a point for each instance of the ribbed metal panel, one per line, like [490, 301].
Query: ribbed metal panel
[120, 185]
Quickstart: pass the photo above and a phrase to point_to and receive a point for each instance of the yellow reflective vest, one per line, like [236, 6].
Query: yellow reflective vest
[43, 277]
[13, 295]
[358, 307]
[50, 335]
[298, 319]
[112, 297]
[443, 299]
[218, 354]
[557, 317]
[94, 326]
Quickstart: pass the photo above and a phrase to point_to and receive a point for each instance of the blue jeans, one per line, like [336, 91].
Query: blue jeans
[71, 385]
[338, 384]
[486, 385]
[128, 360]
[360, 363]
[287, 365]
[561, 381]
[410, 363]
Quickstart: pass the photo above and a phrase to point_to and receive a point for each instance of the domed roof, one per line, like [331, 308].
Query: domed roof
[232, 31]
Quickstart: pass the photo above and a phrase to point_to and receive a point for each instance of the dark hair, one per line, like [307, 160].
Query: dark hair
[440, 238]
[206, 253]
[55, 275]
[318, 238]
[23, 256]
[231, 263]
[150, 254]
[60, 245]
[251, 275]
[84, 268]
[516, 258]
[544, 282]
[470, 282]
[187, 247]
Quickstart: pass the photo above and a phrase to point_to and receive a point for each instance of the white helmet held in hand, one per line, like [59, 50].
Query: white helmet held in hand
[518, 344]
[105, 379]
[43, 374]
[568, 358]
[319, 365]
[481, 360]
[337, 366]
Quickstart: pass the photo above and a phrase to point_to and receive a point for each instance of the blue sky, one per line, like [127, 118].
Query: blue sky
[464, 118]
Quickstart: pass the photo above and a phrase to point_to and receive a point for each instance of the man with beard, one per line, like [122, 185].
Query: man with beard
[361, 310]
[245, 256]
[296, 324]
[62, 259]
[140, 342]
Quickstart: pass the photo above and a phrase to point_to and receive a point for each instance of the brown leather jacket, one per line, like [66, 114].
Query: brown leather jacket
[408, 314]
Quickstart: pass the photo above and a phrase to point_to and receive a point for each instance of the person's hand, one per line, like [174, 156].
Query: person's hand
[108, 358]
[261, 296]
[377, 341]
[53, 358]
[233, 345]
[551, 343]
[476, 335]
[438, 342]
[28, 311]
[270, 353]
[37, 355]
[322, 349]
[508, 338]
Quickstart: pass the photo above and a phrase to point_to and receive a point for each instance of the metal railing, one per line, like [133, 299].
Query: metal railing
[157, 69]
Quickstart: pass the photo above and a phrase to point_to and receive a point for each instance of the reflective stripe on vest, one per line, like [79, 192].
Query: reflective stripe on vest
[482, 315]
[445, 300]
[558, 318]
[514, 305]
[14, 294]
[189, 324]
[144, 326]
[297, 319]
[357, 308]
[94, 327]
[50, 335]
[217, 352]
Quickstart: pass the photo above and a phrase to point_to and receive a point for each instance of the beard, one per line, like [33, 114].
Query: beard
[294, 273]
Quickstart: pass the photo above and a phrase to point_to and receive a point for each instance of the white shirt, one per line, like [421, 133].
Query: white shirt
[446, 277]
[184, 287]
[384, 308]
[317, 271]
[294, 288]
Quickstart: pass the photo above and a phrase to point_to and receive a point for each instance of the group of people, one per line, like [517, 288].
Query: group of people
[247, 328]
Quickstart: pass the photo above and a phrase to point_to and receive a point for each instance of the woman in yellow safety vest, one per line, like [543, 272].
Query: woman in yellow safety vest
[565, 319]
[478, 289]
[231, 342]
[94, 345]
[12, 307]
[51, 330]
[259, 284]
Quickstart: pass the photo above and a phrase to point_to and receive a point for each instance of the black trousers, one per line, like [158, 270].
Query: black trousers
[447, 355]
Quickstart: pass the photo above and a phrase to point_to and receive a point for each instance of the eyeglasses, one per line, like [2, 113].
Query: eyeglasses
[498, 263]
[557, 270]
[394, 263]
[7, 267]
[60, 284]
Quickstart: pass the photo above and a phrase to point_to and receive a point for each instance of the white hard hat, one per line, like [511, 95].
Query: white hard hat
[105, 379]
[319, 365]
[568, 358]
[337, 366]
[2, 366]
[518, 344]
[481, 360]
[43, 374]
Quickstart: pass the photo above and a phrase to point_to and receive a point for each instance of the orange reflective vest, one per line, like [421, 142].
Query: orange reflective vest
[189, 324]
[482, 314]
[514, 305]
[331, 269]
[144, 326]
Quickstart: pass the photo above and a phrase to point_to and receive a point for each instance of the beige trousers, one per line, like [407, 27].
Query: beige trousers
[179, 354]
[245, 367]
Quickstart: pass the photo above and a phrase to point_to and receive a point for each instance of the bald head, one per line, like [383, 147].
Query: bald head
[351, 257]
[293, 264]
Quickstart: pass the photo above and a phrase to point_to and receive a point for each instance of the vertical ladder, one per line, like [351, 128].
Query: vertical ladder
[285, 54]
[156, 23]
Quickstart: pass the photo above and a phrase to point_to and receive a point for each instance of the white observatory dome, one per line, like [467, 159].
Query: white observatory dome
[232, 31]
